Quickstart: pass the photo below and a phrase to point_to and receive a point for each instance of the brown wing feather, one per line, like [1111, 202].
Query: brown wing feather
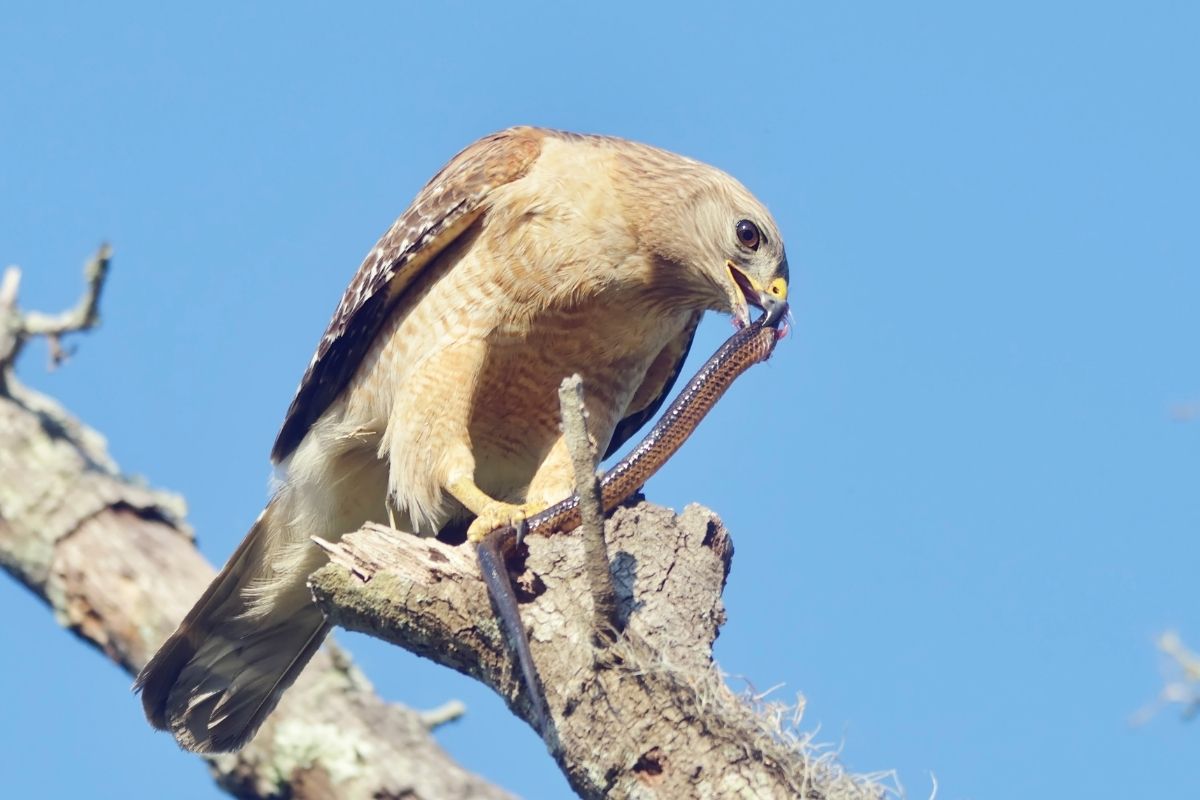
[658, 382]
[452, 200]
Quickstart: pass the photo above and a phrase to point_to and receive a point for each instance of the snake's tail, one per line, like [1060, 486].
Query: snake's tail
[500, 590]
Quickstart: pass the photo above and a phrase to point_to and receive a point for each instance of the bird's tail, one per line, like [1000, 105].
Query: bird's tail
[215, 680]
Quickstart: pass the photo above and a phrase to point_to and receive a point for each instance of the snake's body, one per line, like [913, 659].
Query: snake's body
[742, 350]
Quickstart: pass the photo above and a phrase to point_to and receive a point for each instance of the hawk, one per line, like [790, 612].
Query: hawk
[431, 400]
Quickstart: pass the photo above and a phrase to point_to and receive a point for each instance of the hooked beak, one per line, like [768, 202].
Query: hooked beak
[747, 292]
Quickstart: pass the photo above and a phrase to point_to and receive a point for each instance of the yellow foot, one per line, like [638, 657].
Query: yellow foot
[497, 514]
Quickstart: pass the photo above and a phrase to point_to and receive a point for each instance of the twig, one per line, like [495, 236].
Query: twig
[8, 288]
[16, 327]
[10, 320]
[447, 712]
[1182, 689]
[587, 488]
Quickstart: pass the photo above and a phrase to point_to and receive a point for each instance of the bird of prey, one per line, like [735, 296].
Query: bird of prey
[431, 400]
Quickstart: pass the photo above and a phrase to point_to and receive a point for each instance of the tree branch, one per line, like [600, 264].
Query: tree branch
[655, 719]
[591, 528]
[1181, 687]
[16, 327]
[116, 563]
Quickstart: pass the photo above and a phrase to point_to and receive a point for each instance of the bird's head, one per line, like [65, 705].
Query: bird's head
[727, 243]
[755, 268]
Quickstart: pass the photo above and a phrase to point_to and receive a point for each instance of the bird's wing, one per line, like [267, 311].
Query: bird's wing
[449, 204]
[657, 384]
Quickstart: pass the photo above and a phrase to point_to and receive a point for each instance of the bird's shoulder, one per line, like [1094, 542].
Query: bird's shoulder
[453, 199]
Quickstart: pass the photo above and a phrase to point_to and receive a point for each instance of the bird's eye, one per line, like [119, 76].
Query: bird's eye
[748, 235]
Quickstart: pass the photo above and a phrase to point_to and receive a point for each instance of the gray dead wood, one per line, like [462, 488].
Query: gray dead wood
[652, 717]
[116, 563]
[591, 526]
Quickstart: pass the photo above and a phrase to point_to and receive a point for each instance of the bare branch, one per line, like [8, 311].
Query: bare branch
[86, 313]
[10, 284]
[1181, 687]
[12, 326]
[654, 720]
[447, 712]
[587, 489]
[17, 327]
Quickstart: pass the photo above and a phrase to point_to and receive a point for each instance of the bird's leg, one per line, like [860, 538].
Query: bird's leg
[555, 478]
[489, 512]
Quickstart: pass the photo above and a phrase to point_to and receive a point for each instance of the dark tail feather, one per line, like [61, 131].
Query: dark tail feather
[215, 680]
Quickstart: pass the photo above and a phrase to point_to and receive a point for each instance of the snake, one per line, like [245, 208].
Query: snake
[749, 345]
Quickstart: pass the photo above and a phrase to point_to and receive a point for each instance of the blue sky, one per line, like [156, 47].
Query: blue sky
[962, 505]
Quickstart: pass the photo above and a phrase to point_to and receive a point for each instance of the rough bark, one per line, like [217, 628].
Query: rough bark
[649, 716]
[116, 563]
